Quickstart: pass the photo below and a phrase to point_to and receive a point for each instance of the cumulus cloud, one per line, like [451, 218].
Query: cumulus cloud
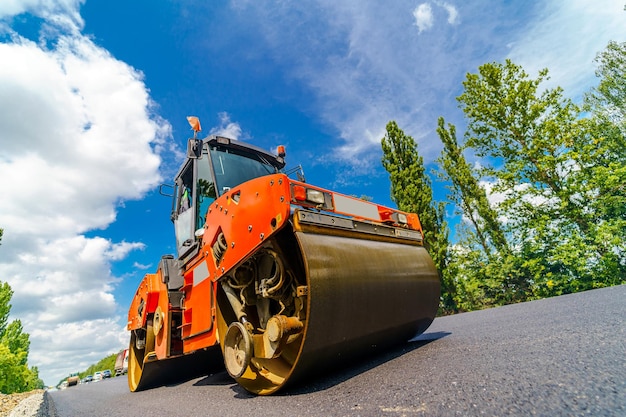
[227, 128]
[423, 17]
[83, 341]
[63, 14]
[453, 13]
[142, 267]
[79, 136]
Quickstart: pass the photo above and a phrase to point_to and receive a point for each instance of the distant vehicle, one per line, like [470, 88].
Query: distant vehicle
[106, 373]
[73, 379]
[97, 376]
[121, 363]
[88, 378]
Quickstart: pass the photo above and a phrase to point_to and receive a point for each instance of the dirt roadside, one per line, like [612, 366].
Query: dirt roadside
[10, 401]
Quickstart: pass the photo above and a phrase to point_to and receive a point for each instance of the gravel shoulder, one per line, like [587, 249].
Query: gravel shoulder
[24, 404]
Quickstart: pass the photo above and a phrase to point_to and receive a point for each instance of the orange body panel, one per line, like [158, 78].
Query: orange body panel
[146, 300]
[162, 339]
[198, 327]
[247, 216]
[243, 219]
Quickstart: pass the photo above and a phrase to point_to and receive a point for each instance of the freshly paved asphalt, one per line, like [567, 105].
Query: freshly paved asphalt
[559, 356]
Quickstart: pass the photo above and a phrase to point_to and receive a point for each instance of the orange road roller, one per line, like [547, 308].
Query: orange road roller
[274, 278]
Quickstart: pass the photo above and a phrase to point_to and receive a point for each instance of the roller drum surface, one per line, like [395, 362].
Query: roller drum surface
[145, 373]
[362, 295]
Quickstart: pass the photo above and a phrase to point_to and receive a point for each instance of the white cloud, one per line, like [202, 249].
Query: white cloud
[565, 38]
[453, 13]
[61, 13]
[367, 64]
[227, 128]
[141, 267]
[85, 342]
[423, 17]
[79, 136]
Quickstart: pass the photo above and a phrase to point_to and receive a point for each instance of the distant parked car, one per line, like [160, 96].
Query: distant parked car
[106, 373]
[88, 378]
[97, 376]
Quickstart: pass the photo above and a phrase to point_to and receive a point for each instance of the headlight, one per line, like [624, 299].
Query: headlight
[314, 196]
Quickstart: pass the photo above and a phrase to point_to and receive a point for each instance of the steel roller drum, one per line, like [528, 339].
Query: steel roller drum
[363, 295]
[144, 371]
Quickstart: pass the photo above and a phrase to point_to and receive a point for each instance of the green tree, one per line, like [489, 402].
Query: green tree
[411, 191]
[549, 165]
[468, 194]
[607, 105]
[15, 376]
[525, 132]
[604, 158]
[5, 308]
[608, 99]
[16, 340]
[482, 255]
[108, 362]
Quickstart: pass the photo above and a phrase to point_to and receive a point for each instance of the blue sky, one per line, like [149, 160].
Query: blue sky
[95, 96]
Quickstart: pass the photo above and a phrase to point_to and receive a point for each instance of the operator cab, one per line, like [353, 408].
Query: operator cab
[214, 165]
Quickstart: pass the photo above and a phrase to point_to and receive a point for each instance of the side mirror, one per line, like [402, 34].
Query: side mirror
[166, 190]
[194, 148]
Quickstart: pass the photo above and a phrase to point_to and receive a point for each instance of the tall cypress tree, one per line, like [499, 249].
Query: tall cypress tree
[411, 191]
[469, 195]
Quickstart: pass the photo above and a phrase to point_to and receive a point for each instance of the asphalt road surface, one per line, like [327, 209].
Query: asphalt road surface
[559, 356]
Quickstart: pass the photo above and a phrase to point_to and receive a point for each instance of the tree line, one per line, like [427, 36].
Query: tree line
[544, 210]
[108, 362]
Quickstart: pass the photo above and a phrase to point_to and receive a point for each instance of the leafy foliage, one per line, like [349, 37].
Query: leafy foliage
[545, 211]
[107, 362]
[608, 99]
[411, 191]
[559, 171]
[468, 195]
[15, 376]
